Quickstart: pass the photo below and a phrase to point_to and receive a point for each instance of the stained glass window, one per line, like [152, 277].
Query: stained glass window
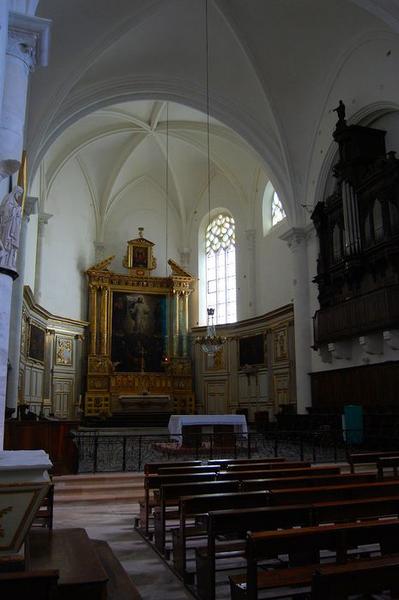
[221, 268]
[278, 213]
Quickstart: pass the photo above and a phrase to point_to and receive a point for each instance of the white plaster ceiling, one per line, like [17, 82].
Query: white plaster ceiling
[116, 147]
[277, 69]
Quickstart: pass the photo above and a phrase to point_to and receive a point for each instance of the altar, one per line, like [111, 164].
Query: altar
[146, 403]
[177, 422]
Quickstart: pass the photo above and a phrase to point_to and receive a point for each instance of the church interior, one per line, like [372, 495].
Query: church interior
[199, 286]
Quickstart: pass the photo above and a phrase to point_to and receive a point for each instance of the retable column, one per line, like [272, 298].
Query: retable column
[297, 241]
[14, 350]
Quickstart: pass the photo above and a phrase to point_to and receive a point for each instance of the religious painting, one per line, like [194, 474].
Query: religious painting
[139, 332]
[140, 257]
[63, 351]
[252, 350]
[36, 343]
[216, 361]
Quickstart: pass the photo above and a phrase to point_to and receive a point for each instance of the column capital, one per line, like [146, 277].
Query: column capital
[30, 206]
[296, 238]
[28, 39]
[44, 218]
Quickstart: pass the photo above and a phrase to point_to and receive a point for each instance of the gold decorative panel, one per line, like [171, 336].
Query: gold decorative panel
[138, 332]
[64, 350]
[280, 344]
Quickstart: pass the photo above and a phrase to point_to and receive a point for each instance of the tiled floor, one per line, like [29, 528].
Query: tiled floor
[114, 524]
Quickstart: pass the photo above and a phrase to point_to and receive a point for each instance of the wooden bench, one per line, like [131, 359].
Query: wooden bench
[44, 516]
[237, 522]
[21, 585]
[247, 461]
[307, 481]
[193, 506]
[293, 464]
[387, 462]
[170, 496]
[274, 473]
[337, 492]
[303, 546]
[154, 482]
[363, 458]
[367, 576]
[153, 467]
[191, 469]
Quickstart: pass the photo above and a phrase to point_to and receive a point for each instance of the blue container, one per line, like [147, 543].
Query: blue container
[352, 423]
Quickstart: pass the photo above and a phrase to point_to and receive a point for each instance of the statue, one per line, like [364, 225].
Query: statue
[340, 110]
[10, 227]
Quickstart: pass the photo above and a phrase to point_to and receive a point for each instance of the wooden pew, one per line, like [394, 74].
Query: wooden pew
[367, 576]
[293, 464]
[387, 462]
[44, 516]
[305, 545]
[306, 481]
[274, 473]
[191, 469]
[154, 482]
[238, 522]
[248, 461]
[29, 584]
[364, 458]
[337, 492]
[153, 467]
[192, 506]
[170, 495]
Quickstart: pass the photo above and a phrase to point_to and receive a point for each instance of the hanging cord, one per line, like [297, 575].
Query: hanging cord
[167, 190]
[208, 119]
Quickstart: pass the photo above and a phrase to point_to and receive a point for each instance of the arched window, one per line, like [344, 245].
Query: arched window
[272, 208]
[221, 268]
[278, 213]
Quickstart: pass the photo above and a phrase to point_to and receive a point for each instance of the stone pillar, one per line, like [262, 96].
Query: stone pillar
[297, 241]
[43, 220]
[27, 46]
[14, 350]
[99, 248]
[6, 280]
[251, 271]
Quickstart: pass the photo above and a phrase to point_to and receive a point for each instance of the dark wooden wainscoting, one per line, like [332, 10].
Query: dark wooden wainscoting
[51, 436]
[374, 387]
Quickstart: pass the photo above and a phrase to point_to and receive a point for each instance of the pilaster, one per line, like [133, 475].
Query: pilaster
[296, 238]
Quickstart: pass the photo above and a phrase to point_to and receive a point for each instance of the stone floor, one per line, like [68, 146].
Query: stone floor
[114, 524]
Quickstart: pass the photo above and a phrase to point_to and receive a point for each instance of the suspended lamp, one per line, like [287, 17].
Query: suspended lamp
[211, 342]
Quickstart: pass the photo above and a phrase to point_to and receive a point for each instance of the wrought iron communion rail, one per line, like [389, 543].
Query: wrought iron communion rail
[101, 451]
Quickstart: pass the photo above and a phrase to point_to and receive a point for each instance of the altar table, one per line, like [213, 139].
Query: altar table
[177, 422]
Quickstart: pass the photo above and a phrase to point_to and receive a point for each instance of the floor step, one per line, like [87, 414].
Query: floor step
[104, 487]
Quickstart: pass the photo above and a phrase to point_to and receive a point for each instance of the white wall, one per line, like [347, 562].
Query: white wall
[142, 205]
[68, 245]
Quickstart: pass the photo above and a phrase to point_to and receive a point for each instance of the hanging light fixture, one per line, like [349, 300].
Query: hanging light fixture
[211, 342]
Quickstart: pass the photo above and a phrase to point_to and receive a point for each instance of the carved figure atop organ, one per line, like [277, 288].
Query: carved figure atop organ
[10, 227]
[139, 333]
[358, 230]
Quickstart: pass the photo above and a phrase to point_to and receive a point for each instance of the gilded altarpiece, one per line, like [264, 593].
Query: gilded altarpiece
[139, 344]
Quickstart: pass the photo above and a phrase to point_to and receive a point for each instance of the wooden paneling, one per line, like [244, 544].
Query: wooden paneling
[373, 386]
[51, 436]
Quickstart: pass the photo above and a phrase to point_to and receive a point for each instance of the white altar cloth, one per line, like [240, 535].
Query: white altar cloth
[176, 423]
